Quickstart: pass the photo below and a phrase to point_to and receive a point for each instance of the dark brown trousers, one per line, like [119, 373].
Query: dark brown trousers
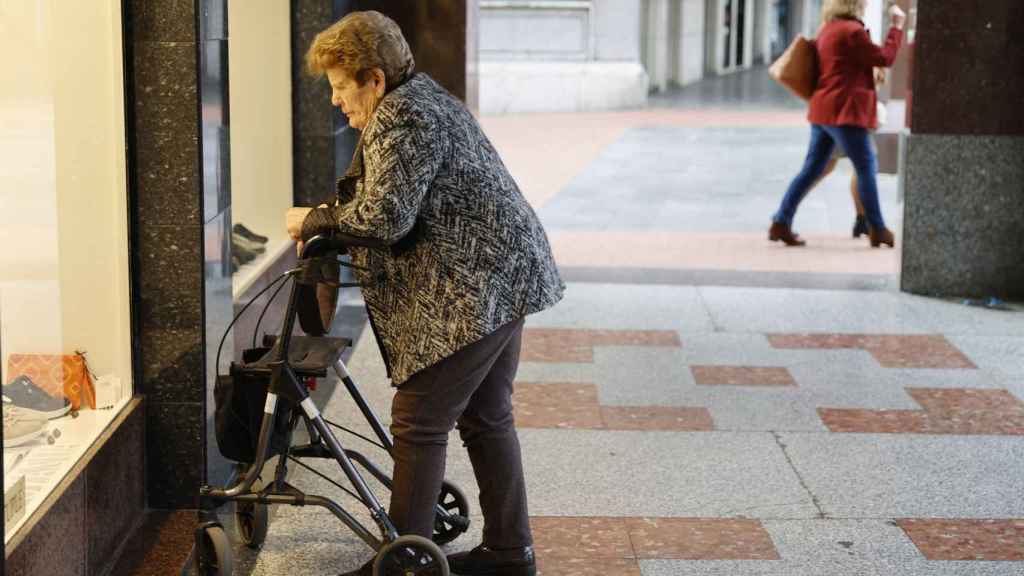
[473, 389]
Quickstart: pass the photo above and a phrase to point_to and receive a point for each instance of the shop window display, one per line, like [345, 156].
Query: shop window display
[65, 359]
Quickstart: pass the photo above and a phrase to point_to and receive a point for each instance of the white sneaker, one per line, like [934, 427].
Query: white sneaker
[21, 426]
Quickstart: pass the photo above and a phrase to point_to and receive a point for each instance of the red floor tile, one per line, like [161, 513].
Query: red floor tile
[679, 418]
[742, 376]
[577, 346]
[700, 539]
[967, 539]
[944, 411]
[556, 405]
[576, 406]
[574, 537]
[890, 350]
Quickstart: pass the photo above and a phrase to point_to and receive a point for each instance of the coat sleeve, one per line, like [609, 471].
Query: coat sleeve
[400, 163]
[870, 54]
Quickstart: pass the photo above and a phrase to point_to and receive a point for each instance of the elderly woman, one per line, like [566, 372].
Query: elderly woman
[460, 260]
[842, 111]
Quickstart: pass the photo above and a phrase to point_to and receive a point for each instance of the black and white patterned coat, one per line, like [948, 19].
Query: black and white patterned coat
[465, 252]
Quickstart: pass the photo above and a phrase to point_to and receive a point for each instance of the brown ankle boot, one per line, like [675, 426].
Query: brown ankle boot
[879, 237]
[780, 231]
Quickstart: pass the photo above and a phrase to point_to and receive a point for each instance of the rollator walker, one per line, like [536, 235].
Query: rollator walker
[283, 371]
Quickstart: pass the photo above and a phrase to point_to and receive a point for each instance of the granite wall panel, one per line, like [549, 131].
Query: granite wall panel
[968, 68]
[963, 222]
[313, 153]
[175, 454]
[168, 144]
[56, 546]
[115, 498]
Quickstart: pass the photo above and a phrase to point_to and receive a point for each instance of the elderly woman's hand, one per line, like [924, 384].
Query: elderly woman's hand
[294, 219]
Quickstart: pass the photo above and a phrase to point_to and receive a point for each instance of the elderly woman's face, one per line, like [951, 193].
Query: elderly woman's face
[357, 102]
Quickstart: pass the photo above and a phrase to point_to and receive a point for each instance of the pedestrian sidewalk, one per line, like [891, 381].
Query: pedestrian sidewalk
[690, 183]
[677, 430]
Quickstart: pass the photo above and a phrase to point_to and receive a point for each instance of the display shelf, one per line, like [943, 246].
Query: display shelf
[249, 273]
[45, 465]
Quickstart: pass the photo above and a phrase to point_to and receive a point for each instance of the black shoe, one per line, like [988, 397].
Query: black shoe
[482, 561]
[860, 226]
[244, 232]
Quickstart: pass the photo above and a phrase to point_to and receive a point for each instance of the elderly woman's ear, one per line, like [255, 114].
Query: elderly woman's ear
[380, 82]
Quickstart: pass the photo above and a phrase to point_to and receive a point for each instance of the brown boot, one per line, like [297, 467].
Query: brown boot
[879, 237]
[780, 231]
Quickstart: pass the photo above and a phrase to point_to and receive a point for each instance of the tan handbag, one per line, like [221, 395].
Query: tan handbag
[59, 375]
[797, 68]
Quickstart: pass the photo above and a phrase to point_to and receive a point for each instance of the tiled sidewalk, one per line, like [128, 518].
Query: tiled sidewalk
[672, 431]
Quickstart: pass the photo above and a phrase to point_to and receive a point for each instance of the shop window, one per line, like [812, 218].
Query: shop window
[64, 282]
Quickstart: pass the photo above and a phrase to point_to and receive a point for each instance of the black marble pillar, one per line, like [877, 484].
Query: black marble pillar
[169, 258]
[182, 189]
[313, 150]
[964, 177]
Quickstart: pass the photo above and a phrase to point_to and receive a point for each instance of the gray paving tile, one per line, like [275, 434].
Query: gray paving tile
[952, 317]
[705, 474]
[834, 548]
[627, 306]
[911, 476]
[702, 180]
[1002, 354]
[782, 310]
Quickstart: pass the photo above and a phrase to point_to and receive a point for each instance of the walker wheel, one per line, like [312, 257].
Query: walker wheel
[252, 520]
[410, 555]
[213, 553]
[454, 501]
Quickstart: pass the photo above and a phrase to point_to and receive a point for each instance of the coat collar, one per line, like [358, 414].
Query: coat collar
[355, 169]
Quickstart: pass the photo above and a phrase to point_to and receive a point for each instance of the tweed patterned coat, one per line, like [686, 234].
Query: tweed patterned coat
[462, 253]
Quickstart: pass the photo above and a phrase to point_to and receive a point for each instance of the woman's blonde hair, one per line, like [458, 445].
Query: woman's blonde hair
[833, 9]
[360, 42]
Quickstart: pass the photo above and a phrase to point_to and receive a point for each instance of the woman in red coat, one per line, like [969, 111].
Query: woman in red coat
[842, 111]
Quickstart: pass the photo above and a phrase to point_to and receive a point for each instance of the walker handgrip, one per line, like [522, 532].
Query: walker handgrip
[337, 241]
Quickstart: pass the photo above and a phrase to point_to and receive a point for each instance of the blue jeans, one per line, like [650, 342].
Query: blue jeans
[856, 142]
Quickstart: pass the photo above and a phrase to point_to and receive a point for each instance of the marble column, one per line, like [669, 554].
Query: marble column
[313, 147]
[182, 225]
[964, 179]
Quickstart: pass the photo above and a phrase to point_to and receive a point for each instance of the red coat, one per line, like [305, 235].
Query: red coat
[845, 94]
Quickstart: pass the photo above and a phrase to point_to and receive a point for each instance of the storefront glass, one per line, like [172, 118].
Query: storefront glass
[65, 353]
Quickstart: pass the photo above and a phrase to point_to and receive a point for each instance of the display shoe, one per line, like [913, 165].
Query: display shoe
[242, 254]
[21, 426]
[883, 236]
[860, 226]
[483, 561]
[23, 393]
[239, 241]
[781, 232]
[244, 232]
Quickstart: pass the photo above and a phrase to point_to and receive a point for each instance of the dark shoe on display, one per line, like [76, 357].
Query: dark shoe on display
[860, 226]
[243, 254]
[24, 393]
[883, 236]
[244, 232]
[780, 231]
[21, 426]
[239, 241]
[483, 561]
